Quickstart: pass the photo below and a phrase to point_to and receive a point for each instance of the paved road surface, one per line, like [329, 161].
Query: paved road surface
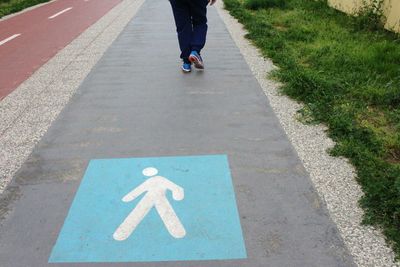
[30, 39]
[136, 103]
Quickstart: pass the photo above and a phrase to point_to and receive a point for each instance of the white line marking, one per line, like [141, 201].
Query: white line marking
[9, 38]
[59, 13]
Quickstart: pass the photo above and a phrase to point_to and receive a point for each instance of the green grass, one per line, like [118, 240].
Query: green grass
[11, 6]
[348, 77]
[258, 4]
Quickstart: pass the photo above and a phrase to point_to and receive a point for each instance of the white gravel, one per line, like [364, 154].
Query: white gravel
[26, 114]
[334, 178]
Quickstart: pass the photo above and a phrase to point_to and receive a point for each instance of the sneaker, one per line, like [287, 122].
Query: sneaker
[186, 67]
[196, 59]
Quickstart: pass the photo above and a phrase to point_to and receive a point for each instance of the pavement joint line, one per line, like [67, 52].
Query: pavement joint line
[61, 12]
[334, 178]
[9, 38]
[52, 86]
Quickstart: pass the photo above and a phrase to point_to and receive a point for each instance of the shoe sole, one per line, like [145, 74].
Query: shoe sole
[185, 71]
[197, 63]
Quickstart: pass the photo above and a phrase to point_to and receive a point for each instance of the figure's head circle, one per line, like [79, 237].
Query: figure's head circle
[150, 171]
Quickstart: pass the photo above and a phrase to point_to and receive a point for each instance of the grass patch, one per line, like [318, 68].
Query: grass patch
[348, 77]
[261, 4]
[11, 6]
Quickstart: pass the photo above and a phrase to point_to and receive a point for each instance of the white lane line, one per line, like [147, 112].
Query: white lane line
[9, 38]
[59, 13]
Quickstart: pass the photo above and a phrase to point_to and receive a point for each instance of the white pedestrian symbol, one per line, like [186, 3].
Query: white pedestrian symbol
[156, 188]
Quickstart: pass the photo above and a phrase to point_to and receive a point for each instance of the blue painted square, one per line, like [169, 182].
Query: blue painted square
[207, 212]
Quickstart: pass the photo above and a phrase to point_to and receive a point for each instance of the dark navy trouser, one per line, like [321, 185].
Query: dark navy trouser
[191, 25]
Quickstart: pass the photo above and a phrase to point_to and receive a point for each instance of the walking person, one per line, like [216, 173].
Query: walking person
[191, 25]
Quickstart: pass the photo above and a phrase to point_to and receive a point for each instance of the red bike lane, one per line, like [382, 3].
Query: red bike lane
[30, 39]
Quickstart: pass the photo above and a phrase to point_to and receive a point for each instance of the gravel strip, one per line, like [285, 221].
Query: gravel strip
[334, 178]
[27, 113]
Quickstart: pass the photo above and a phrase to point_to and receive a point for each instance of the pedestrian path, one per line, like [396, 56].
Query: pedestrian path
[150, 167]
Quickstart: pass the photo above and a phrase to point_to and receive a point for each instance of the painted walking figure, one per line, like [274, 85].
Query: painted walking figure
[191, 25]
[155, 189]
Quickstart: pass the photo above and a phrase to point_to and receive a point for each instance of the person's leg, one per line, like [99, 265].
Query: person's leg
[181, 11]
[198, 10]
